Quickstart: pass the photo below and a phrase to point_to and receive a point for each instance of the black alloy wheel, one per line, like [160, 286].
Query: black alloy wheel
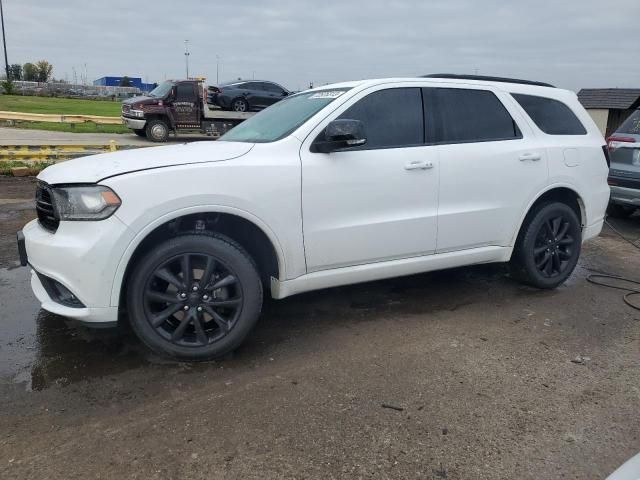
[194, 297]
[554, 246]
[548, 246]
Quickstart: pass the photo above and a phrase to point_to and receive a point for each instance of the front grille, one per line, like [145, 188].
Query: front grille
[44, 207]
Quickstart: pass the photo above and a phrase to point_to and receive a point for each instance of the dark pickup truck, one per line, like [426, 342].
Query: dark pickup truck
[177, 105]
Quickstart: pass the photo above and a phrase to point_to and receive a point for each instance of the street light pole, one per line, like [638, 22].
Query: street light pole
[217, 69]
[4, 42]
[186, 55]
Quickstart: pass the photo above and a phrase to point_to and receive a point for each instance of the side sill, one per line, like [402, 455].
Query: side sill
[380, 270]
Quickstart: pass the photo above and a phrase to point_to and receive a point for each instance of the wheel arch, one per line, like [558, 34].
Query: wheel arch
[241, 226]
[560, 192]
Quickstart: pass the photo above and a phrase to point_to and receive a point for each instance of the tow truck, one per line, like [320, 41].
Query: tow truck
[177, 105]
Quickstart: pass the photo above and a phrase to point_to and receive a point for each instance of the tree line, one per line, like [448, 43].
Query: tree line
[31, 72]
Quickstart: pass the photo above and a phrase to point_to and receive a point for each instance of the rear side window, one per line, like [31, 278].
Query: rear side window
[631, 125]
[551, 116]
[391, 118]
[456, 115]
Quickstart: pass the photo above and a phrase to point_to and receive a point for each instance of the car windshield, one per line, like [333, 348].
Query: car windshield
[282, 118]
[161, 90]
[631, 125]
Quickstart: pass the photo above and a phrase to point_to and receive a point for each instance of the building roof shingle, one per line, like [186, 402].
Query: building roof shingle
[609, 98]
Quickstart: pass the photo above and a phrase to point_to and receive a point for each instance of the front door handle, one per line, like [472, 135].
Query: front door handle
[418, 165]
[533, 157]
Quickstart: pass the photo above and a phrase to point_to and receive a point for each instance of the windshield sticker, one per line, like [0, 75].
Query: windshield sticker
[327, 94]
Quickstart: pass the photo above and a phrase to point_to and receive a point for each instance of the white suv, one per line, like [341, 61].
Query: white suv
[341, 184]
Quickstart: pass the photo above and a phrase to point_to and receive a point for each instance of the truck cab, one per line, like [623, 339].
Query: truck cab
[173, 106]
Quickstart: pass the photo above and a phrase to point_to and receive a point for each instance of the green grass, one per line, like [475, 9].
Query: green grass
[73, 128]
[34, 167]
[60, 106]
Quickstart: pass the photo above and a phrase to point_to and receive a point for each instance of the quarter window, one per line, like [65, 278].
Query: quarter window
[458, 115]
[391, 118]
[551, 116]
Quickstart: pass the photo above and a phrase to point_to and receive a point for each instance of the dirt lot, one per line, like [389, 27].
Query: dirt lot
[480, 372]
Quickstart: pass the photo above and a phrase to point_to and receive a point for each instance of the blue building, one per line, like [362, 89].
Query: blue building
[115, 82]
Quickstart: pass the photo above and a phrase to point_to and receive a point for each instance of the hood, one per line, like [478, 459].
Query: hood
[98, 167]
[140, 99]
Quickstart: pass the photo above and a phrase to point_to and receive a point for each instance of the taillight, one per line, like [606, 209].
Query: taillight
[611, 141]
[216, 90]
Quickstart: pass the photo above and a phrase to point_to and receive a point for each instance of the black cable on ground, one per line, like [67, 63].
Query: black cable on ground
[631, 292]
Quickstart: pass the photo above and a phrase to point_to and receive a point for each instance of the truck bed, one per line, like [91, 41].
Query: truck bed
[219, 114]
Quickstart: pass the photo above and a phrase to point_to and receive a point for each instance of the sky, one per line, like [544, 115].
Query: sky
[570, 43]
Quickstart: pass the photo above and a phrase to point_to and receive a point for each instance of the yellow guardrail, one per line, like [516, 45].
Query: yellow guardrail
[57, 118]
[52, 153]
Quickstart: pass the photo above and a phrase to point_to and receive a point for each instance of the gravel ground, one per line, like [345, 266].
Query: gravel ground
[478, 370]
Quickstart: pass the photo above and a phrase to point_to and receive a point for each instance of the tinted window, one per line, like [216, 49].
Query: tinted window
[253, 86]
[270, 87]
[551, 116]
[631, 125]
[184, 91]
[391, 118]
[460, 116]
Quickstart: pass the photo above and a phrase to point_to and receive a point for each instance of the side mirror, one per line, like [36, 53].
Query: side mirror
[341, 134]
[285, 93]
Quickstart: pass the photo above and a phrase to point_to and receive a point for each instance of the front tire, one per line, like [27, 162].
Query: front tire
[157, 131]
[194, 297]
[548, 246]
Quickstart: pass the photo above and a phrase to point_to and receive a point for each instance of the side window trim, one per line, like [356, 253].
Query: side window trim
[432, 120]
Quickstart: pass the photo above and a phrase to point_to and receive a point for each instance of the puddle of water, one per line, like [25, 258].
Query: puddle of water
[39, 349]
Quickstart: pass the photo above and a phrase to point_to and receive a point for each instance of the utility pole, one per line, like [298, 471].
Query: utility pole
[217, 69]
[186, 56]
[4, 42]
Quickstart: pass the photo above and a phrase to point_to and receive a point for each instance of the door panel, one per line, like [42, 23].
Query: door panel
[484, 191]
[491, 165]
[377, 202]
[186, 107]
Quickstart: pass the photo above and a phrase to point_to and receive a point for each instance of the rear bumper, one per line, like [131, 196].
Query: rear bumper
[625, 196]
[134, 123]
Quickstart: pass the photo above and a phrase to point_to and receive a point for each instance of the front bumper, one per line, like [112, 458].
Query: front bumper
[134, 123]
[82, 257]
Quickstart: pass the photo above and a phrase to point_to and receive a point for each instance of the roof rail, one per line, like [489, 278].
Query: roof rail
[487, 79]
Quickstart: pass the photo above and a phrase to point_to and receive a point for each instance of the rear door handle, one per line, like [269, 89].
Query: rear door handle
[418, 165]
[533, 157]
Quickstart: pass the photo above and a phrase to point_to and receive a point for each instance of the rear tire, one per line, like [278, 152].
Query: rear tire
[619, 211]
[239, 105]
[141, 132]
[157, 131]
[194, 297]
[548, 246]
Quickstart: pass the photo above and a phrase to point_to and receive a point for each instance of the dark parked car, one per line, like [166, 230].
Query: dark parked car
[244, 96]
[624, 175]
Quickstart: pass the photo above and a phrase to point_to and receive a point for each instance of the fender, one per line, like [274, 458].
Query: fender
[535, 198]
[147, 229]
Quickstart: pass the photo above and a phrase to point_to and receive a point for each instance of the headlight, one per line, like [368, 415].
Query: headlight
[137, 113]
[93, 202]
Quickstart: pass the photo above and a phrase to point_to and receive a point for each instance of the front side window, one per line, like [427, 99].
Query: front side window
[391, 118]
[463, 115]
[551, 116]
[282, 118]
[273, 88]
